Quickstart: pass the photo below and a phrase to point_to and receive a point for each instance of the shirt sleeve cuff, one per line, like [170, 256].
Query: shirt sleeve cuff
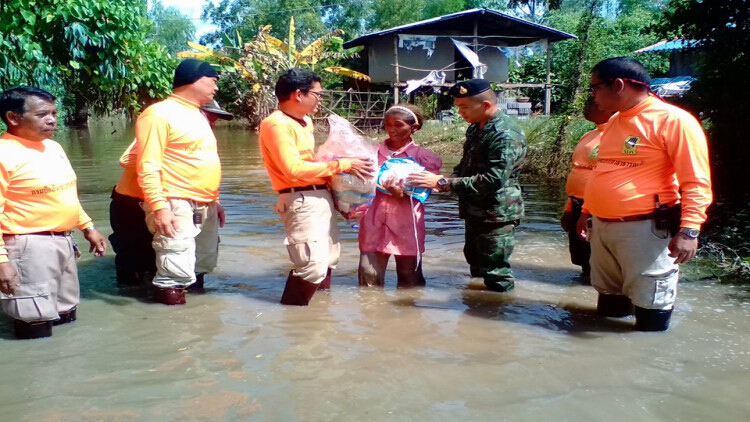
[158, 205]
[453, 182]
[85, 226]
[4, 259]
[344, 165]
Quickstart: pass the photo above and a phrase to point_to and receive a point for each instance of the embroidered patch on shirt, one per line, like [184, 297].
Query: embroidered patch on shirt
[630, 145]
[594, 152]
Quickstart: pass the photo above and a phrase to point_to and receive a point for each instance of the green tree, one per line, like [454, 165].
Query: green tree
[604, 29]
[722, 91]
[390, 13]
[247, 16]
[171, 28]
[533, 10]
[94, 50]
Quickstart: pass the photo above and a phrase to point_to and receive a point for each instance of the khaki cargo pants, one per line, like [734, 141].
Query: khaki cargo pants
[312, 236]
[46, 265]
[195, 247]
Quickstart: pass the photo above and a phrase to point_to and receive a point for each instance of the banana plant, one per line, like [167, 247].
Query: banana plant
[266, 54]
[261, 61]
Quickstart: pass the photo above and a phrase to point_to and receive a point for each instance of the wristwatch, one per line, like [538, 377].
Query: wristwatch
[442, 184]
[88, 229]
[691, 233]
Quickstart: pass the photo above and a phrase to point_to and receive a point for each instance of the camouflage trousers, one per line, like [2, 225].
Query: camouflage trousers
[487, 250]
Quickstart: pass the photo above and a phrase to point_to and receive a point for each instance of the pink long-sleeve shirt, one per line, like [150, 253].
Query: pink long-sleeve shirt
[388, 225]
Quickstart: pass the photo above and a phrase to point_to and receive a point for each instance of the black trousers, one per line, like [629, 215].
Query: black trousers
[580, 250]
[130, 238]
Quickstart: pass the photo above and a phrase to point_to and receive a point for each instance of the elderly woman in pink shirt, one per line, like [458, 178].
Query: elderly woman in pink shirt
[394, 223]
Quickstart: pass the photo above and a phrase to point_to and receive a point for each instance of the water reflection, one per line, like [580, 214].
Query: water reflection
[440, 353]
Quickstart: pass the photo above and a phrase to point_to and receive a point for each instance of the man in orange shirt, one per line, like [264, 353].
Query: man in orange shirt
[38, 209]
[131, 239]
[179, 173]
[305, 204]
[584, 161]
[648, 196]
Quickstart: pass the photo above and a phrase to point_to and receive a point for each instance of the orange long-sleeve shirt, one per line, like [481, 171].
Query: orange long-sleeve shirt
[653, 148]
[128, 184]
[288, 151]
[584, 161]
[177, 154]
[37, 189]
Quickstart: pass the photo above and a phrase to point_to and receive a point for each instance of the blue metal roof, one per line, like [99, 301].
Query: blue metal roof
[679, 44]
[491, 23]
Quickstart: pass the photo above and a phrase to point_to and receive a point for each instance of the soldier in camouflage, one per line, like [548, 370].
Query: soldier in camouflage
[486, 182]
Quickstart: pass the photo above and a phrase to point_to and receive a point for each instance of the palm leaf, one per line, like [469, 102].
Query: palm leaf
[311, 52]
[200, 47]
[276, 43]
[225, 39]
[291, 39]
[194, 55]
[347, 72]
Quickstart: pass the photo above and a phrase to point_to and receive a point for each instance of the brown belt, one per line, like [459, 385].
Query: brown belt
[302, 188]
[639, 217]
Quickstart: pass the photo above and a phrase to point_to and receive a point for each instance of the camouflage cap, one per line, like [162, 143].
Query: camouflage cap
[469, 88]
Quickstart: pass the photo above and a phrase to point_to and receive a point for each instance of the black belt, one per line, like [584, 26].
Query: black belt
[639, 217]
[302, 188]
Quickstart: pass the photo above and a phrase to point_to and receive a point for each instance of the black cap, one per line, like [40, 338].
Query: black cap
[469, 88]
[190, 70]
[213, 107]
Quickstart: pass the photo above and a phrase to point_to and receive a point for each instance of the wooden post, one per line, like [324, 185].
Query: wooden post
[475, 72]
[548, 85]
[396, 77]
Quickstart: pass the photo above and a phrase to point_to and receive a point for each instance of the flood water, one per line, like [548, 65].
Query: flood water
[443, 353]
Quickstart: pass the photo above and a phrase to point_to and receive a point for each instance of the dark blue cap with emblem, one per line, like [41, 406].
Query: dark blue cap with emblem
[469, 88]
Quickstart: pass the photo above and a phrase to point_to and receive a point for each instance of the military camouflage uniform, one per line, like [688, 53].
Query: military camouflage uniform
[489, 197]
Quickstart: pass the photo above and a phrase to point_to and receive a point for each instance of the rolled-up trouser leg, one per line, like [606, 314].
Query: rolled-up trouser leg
[311, 232]
[48, 274]
[632, 258]
[372, 267]
[175, 256]
[207, 241]
[487, 250]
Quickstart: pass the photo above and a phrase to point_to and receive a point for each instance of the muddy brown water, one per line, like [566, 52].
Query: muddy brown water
[443, 353]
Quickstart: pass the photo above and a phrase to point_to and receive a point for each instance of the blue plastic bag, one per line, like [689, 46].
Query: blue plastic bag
[400, 168]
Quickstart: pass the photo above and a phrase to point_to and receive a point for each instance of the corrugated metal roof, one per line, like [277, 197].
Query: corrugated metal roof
[679, 44]
[495, 24]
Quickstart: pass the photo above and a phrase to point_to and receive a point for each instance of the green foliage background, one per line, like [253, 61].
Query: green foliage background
[92, 53]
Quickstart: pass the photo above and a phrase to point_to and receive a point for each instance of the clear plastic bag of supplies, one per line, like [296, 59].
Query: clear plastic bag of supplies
[352, 196]
[399, 169]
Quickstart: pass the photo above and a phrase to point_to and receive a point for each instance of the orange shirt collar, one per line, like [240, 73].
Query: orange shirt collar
[601, 127]
[632, 111]
[184, 101]
[24, 141]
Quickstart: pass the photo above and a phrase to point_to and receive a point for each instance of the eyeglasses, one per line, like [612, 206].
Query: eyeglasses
[318, 94]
